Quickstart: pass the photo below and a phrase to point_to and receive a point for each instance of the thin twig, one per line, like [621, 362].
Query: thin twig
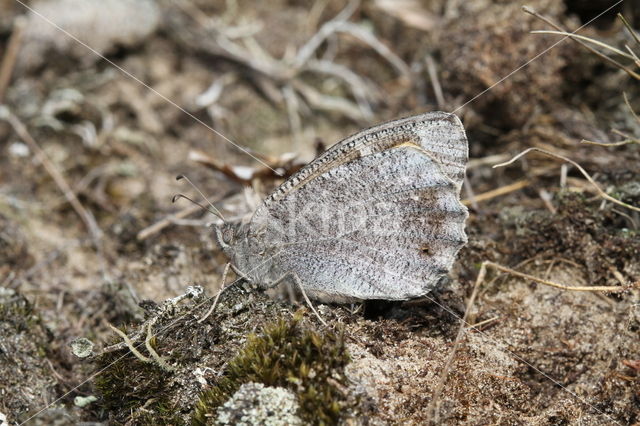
[503, 190]
[23, 133]
[306, 298]
[618, 276]
[631, 220]
[11, 55]
[293, 111]
[579, 167]
[636, 59]
[623, 134]
[327, 102]
[595, 288]
[163, 223]
[432, 409]
[490, 160]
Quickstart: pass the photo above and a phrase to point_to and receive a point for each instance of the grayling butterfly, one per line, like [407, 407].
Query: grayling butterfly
[376, 216]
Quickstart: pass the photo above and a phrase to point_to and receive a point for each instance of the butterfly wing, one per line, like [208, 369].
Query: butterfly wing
[377, 216]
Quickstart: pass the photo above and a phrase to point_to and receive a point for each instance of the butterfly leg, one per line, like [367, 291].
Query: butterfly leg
[298, 282]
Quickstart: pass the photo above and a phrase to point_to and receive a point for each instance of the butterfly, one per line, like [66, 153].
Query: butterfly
[376, 216]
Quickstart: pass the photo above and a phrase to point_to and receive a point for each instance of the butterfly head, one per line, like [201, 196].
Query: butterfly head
[227, 235]
[232, 240]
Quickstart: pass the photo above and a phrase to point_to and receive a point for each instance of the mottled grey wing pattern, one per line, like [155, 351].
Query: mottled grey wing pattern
[377, 216]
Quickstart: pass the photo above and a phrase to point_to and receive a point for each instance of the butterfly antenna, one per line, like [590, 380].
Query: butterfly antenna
[178, 196]
[213, 209]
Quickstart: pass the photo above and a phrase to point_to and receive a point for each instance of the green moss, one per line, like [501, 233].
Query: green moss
[17, 310]
[286, 354]
[127, 384]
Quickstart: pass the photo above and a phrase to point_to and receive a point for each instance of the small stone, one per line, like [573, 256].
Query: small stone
[256, 404]
[102, 24]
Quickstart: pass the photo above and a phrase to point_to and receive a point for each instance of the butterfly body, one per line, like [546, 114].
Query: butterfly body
[377, 216]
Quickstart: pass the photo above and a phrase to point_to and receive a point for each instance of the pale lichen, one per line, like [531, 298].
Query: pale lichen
[256, 404]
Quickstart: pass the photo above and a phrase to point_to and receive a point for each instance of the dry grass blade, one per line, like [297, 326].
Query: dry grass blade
[329, 103]
[576, 165]
[636, 59]
[626, 101]
[588, 40]
[435, 81]
[582, 43]
[619, 143]
[629, 28]
[594, 288]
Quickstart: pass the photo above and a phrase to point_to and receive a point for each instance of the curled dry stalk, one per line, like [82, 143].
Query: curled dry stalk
[155, 357]
[285, 74]
[599, 190]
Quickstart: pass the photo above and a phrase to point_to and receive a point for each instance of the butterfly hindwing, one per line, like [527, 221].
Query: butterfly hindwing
[377, 216]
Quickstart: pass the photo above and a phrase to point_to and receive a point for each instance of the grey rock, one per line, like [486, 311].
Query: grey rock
[100, 24]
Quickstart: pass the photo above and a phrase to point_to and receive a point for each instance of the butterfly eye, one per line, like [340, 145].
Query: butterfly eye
[227, 235]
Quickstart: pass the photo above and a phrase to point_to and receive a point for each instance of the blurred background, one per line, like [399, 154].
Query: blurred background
[106, 101]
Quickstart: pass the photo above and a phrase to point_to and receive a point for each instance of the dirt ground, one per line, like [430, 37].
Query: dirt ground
[92, 139]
